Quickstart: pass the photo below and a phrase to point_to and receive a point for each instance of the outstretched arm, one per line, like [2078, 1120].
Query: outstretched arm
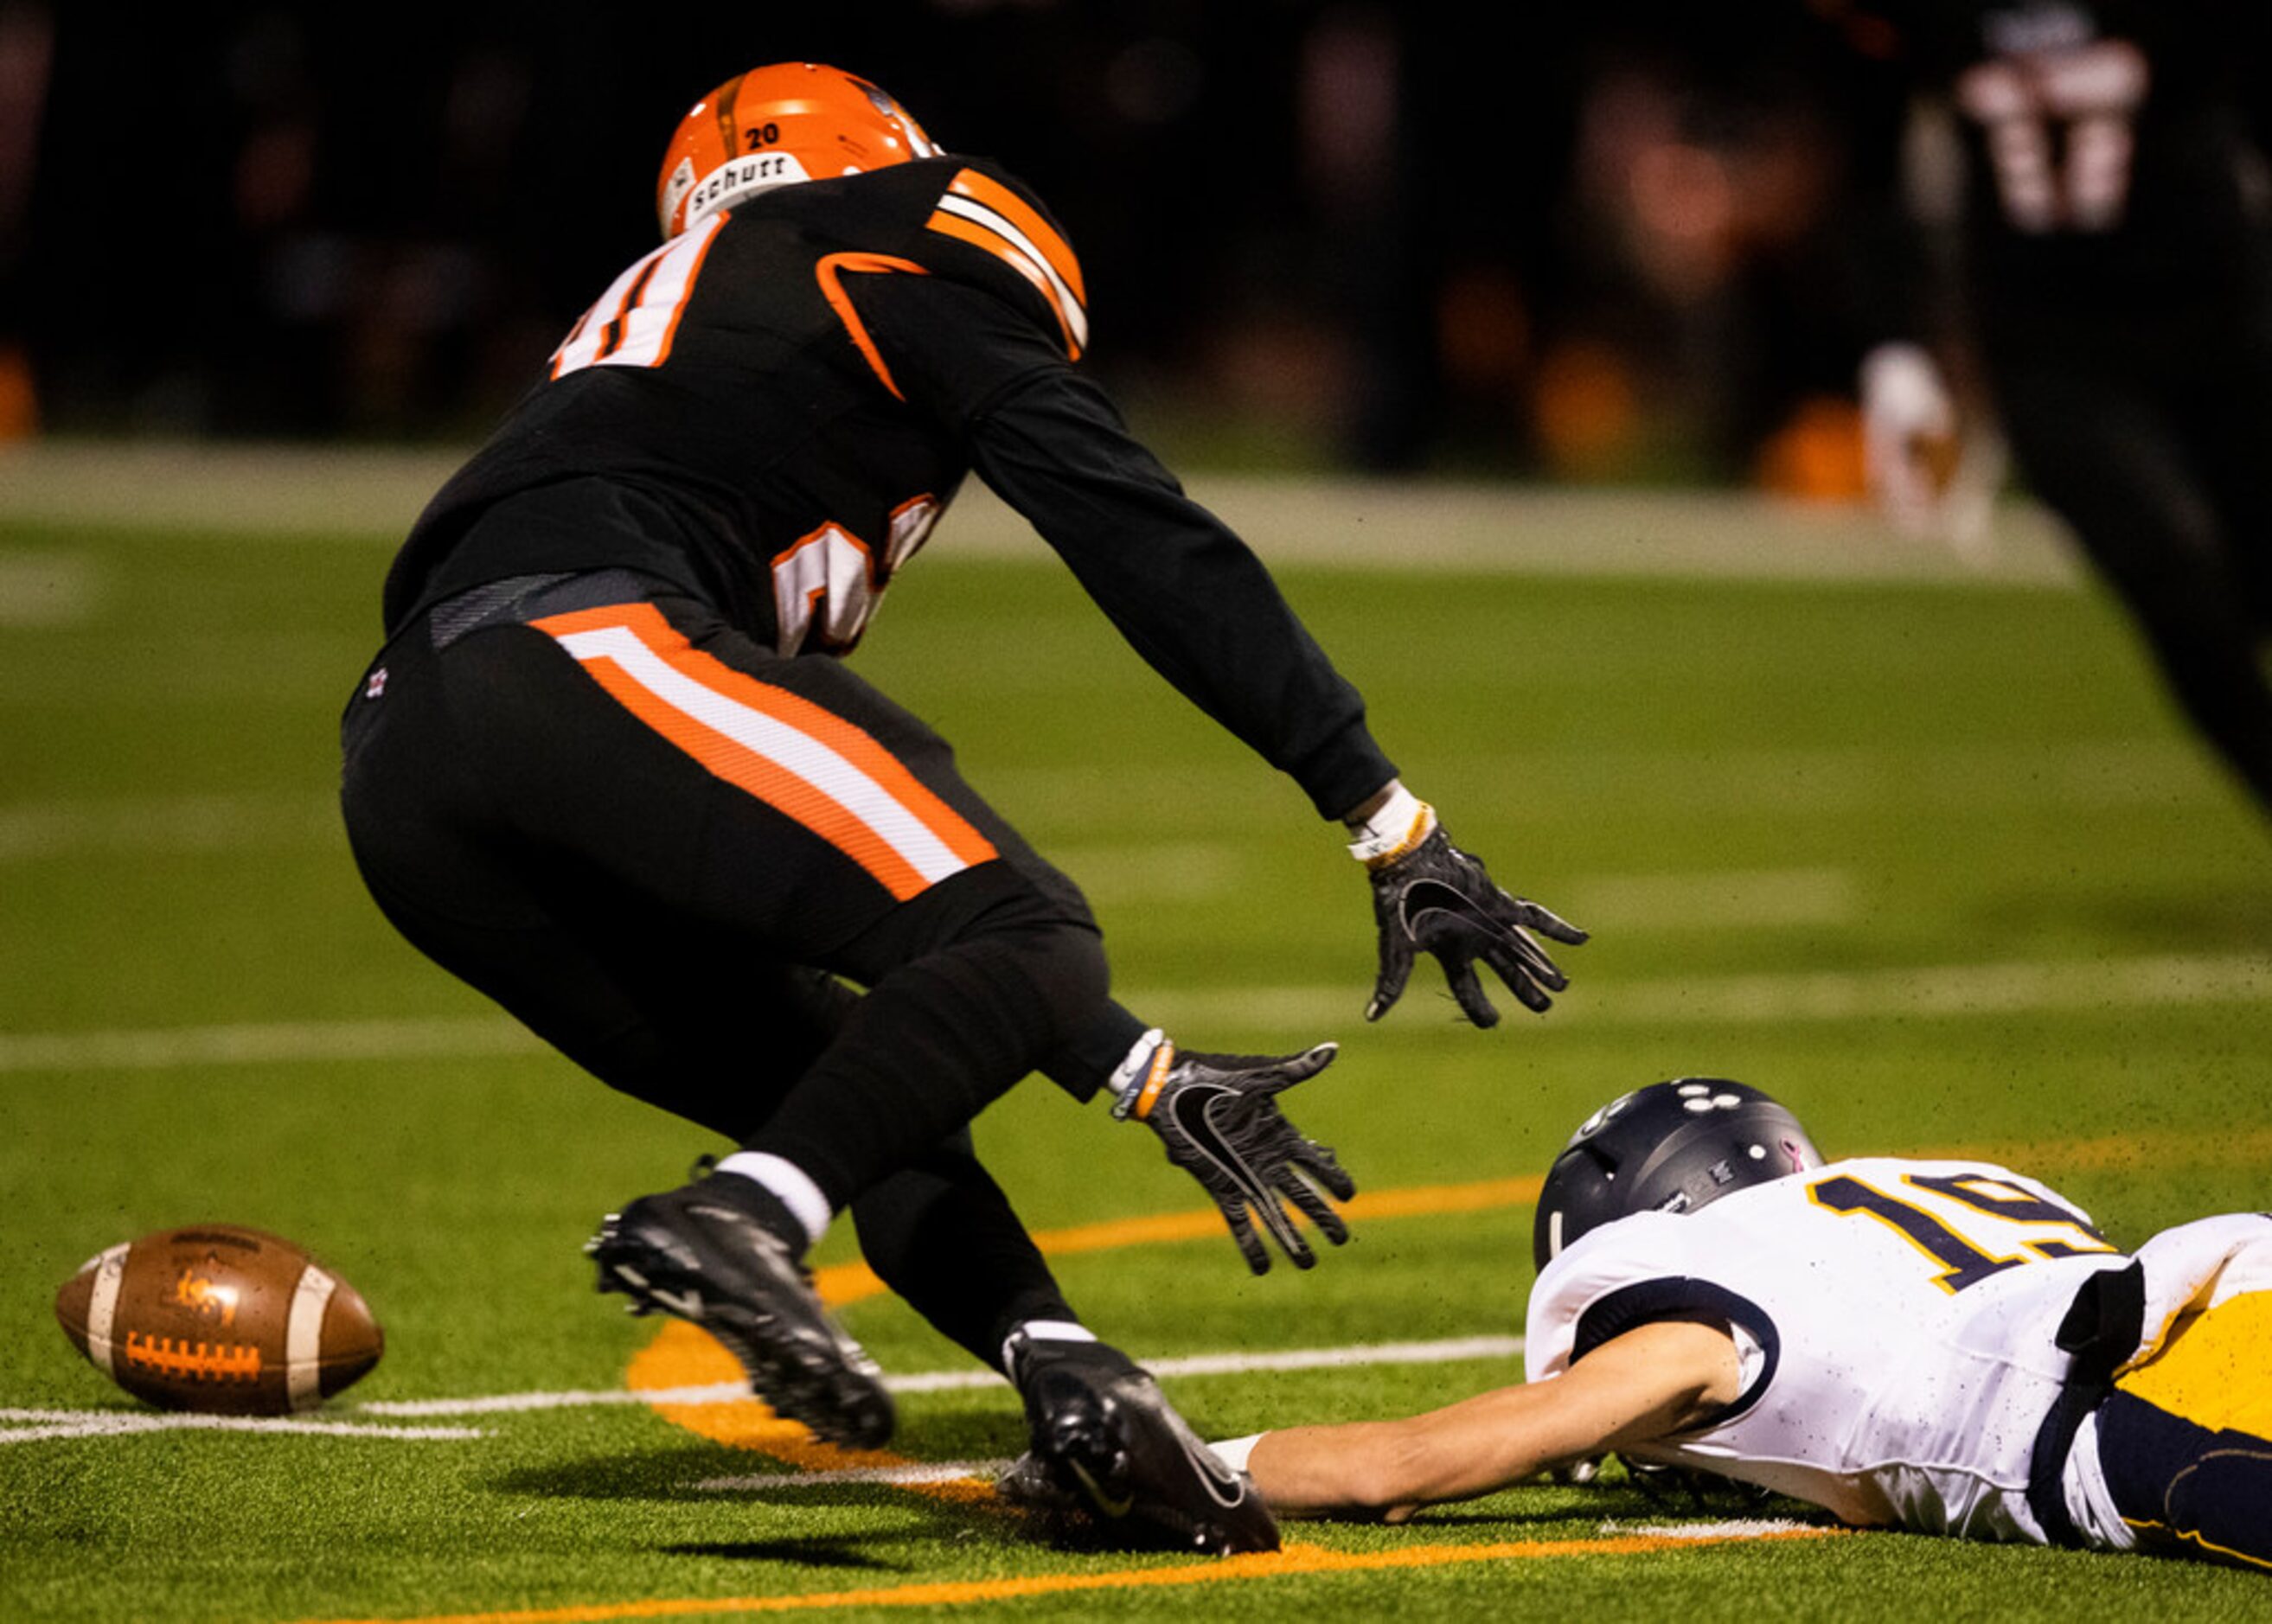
[1193, 598]
[1653, 1381]
[1185, 590]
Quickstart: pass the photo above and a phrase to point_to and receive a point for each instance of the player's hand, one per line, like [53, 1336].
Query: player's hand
[1909, 436]
[1430, 896]
[1218, 1115]
[1930, 473]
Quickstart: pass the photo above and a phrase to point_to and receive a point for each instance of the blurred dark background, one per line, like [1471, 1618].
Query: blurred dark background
[1584, 243]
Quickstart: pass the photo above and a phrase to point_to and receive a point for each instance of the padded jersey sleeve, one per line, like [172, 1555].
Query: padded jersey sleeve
[1185, 592]
[1634, 1272]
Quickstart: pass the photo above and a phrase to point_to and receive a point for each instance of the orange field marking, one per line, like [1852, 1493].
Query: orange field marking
[1293, 1562]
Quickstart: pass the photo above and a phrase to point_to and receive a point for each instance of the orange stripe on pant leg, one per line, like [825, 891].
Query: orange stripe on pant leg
[785, 792]
[844, 737]
[778, 787]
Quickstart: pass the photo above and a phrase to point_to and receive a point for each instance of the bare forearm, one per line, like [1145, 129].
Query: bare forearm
[1379, 1466]
[1652, 1381]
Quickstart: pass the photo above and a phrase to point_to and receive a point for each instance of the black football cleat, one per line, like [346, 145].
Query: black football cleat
[694, 1253]
[1106, 1442]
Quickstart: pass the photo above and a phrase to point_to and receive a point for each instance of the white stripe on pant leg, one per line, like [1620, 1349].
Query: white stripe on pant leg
[797, 753]
[303, 1338]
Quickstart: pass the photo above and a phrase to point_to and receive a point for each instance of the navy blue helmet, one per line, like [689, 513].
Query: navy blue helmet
[1671, 1147]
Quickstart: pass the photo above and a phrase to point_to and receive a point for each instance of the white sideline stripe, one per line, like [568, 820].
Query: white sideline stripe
[370, 494]
[1946, 991]
[797, 753]
[34, 1426]
[948, 1381]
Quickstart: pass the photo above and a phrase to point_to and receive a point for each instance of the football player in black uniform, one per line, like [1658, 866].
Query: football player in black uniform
[2116, 284]
[611, 770]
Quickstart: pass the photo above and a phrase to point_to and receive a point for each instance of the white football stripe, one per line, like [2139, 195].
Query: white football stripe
[787, 748]
[102, 1306]
[303, 1337]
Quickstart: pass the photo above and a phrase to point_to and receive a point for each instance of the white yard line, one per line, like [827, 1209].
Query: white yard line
[589, 1398]
[1658, 905]
[1933, 991]
[1239, 1362]
[39, 830]
[48, 588]
[1929, 992]
[894, 1477]
[38, 1426]
[26, 1426]
[284, 1042]
[1737, 1528]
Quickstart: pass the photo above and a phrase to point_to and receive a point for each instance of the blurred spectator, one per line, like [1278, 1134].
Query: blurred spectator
[26, 48]
[1401, 238]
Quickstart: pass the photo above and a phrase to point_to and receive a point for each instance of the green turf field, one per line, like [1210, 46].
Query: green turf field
[1928, 858]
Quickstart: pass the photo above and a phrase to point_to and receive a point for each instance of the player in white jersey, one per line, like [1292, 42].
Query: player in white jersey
[1947, 1346]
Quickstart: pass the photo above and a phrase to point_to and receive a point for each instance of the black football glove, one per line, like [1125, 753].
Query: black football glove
[1432, 897]
[1218, 1115]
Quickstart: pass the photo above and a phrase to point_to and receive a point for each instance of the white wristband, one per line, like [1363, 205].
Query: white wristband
[1234, 1452]
[1137, 1078]
[1402, 822]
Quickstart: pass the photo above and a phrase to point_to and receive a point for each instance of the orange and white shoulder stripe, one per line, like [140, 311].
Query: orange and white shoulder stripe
[981, 210]
[806, 763]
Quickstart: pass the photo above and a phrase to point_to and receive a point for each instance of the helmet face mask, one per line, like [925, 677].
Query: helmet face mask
[776, 126]
[1671, 1147]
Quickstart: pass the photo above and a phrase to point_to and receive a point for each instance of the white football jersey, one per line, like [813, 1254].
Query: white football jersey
[1897, 1318]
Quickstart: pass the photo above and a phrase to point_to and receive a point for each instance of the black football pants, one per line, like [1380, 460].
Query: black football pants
[2161, 463]
[668, 851]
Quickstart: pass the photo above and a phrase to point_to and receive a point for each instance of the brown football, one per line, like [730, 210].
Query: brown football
[219, 1318]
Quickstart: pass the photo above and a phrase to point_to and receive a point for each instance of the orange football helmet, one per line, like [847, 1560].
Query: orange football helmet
[773, 126]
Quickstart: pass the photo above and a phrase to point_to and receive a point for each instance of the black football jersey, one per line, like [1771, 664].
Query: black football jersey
[772, 409]
[2108, 147]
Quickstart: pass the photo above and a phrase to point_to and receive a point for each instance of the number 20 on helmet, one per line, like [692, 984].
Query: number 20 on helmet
[775, 126]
